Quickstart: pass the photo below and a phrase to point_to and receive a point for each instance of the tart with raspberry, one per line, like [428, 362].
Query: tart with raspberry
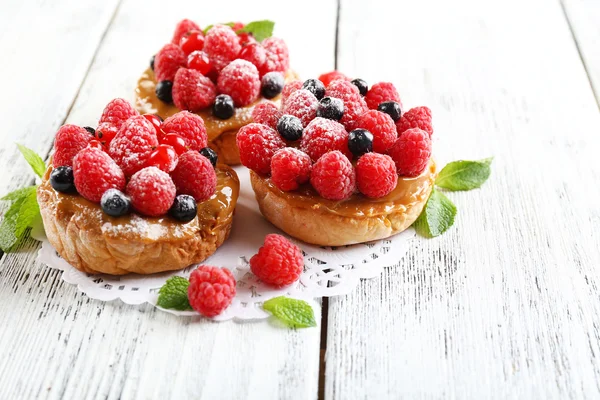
[136, 194]
[340, 163]
[220, 73]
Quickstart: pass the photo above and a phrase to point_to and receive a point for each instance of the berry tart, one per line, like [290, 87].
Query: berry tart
[340, 163]
[136, 194]
[220, 73]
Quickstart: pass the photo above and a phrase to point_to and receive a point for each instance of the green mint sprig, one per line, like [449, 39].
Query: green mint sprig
[259, 29]
[292, 312]
[174, 294]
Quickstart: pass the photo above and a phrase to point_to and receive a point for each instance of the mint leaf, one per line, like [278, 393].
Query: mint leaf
[17, 194]
[229, 24]
[21, 214]
[173, 294]
[293, 313]
[464, 175]
[37, 164]
[437, 215]
[259, 29]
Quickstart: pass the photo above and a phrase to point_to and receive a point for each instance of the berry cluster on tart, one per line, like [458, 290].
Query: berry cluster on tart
[339, 163]
[136, 194]
[220, 74]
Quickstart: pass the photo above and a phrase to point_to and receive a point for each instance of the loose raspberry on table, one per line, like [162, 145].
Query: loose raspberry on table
[266, 113]
[115, 114]
[241, 81]
[278, 58]
[152, 191]
[258, 143]
[278, 262]
[133, 144]
[193, 91]
[333, 176]
[188, 126]
[301, 104]
[290, 88]
[95, 172]
[167, 61]
[69, 140]
[376, 175]
[254, 53]
[290, 168]
[324, 135]
[411, 152]
[183, 27]
[329, 77]
[418, 117]
[211, 290]
[222, 46]
[354, 103]
[380, 92]
[381, 126]
[195, 175]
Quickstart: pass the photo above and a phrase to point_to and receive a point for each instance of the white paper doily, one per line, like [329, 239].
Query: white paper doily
[327, 271]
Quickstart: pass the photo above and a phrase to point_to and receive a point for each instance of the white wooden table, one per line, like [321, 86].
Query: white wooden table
[505, 305]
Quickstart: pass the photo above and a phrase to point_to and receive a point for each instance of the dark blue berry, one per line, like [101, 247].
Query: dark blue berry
[314, 86]
[184, 208]
[90, 130]
[331, 108]
[360, 141]
[164, 91]
[223, 107]
[391, 108]
[210, 154]
[152, 63]
[362, 86]
[289, 127]
[272, 84]
[61, 179]
[115, 203]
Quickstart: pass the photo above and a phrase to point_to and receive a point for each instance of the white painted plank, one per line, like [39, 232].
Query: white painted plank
[505, 305]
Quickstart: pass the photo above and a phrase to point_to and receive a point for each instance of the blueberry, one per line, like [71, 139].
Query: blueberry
[331, 108]
[184, 208]
[90, 130]
[391, 108]
[314, 86]
[210, 154]
[360, 141]
[362, 86]
[61, 179]
[272, 84]
[164, 91]
[152, 63]
[223, 107]
[115, 203]
[289, 127]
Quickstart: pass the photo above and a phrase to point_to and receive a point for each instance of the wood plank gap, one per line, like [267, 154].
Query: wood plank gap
[323, 346]
[337, 33]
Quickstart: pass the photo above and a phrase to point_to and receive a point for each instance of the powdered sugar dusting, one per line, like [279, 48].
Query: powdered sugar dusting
[302, 104]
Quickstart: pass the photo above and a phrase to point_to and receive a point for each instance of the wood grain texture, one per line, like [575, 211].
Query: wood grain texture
[504, 305]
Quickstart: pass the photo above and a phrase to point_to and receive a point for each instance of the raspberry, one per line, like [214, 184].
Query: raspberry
[278, 58]
[266, 113]
[95, 172]
[222, 46]
[332, 76]
[288, 89]
[323, 135]
[411, 152]
[69, 140]
[188, 126]
[133, 145]
[418, 117]
[241, 81]
[195, 175]
[381, 126]
[380, 92]
[290, 168]
[152, 191]
[193, 91]
[113, 117]
[254, 53]
[301, 104]
[354, 104]
[278, 262]
[333, 176]
[257, 144]
[211, 290]
[183, 27]
[376, 175]
[167, 61]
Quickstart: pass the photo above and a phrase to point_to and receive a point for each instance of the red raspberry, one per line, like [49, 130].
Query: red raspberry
[418, 117]
[211, 290]
[183, 27]
[302, 104]
[192, 41]
[163, 158]
[278, 262]
[188, 126]
[329, 77]
[195, 175]
[238, 26]
[324, 135]
[241, 81]
[133, 144]
[95, 172]
[382, 126]
[69, 140]
[222, 46]
[266, 113]
[333, 176]
[278, 58]
[254, 53]
[199, 61]
[152, 191]
[257, 144]
[167, 61]
[354, 104]
[193, 91]
[113, 117]
[411, 152]
[376, 175]
[290, 88]
[290, 168]
[380, 92]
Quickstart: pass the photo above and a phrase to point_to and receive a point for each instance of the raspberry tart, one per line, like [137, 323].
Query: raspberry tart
[136, 194]
[220, 73]
[340, 163]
